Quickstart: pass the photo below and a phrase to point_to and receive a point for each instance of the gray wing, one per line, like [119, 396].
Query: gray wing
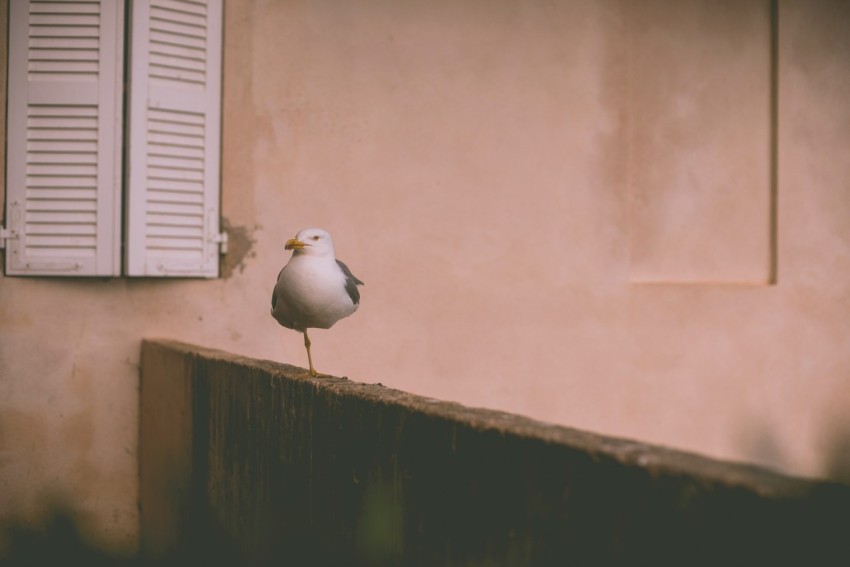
[351, 283]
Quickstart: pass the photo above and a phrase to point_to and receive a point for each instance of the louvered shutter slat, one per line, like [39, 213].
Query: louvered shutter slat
[63, 137]
[173, 177]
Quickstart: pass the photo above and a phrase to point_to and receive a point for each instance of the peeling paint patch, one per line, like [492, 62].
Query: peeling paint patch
[240, 244]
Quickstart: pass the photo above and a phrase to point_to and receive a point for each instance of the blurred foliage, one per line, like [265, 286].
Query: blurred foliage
[380, 528]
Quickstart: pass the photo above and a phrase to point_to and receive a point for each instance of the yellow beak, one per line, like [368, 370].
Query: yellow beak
[294, 244]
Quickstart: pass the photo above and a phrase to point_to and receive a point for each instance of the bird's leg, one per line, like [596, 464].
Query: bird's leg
[307, 344]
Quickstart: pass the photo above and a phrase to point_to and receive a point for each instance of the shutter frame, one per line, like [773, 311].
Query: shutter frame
[174, 139]
[63, 192]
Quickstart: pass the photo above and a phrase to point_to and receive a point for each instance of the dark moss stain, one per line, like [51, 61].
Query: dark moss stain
[240, 244]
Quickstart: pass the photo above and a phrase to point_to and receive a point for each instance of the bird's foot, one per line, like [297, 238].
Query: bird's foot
[311, 373]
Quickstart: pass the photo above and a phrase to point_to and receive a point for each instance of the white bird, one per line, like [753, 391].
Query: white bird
[314, 290]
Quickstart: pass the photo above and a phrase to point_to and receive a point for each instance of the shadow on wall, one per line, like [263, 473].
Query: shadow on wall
[54, 541]
[759, 442]
[57, 540]
[838, 456]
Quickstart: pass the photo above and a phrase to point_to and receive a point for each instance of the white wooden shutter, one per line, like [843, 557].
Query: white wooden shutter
[174, 139]
[63, 184]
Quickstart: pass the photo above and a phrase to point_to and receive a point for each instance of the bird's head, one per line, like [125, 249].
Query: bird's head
[312, 242]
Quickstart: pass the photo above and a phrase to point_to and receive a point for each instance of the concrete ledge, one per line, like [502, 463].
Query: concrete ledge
[281, 468]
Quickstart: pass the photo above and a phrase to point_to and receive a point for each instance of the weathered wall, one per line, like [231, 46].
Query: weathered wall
[566, 210]
[287, 469]
[630, 217]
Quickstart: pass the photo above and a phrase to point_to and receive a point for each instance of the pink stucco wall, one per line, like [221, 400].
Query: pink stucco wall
[590, 213]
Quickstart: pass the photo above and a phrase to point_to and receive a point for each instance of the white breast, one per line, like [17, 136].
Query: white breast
[311, 293]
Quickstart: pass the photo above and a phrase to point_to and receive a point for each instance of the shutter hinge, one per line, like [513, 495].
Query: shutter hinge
[6, 234]
[221, 240]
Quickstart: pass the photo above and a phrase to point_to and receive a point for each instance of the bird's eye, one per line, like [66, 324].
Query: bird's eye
[316, 237]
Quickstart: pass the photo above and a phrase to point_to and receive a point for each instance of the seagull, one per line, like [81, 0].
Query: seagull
[314, 290]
